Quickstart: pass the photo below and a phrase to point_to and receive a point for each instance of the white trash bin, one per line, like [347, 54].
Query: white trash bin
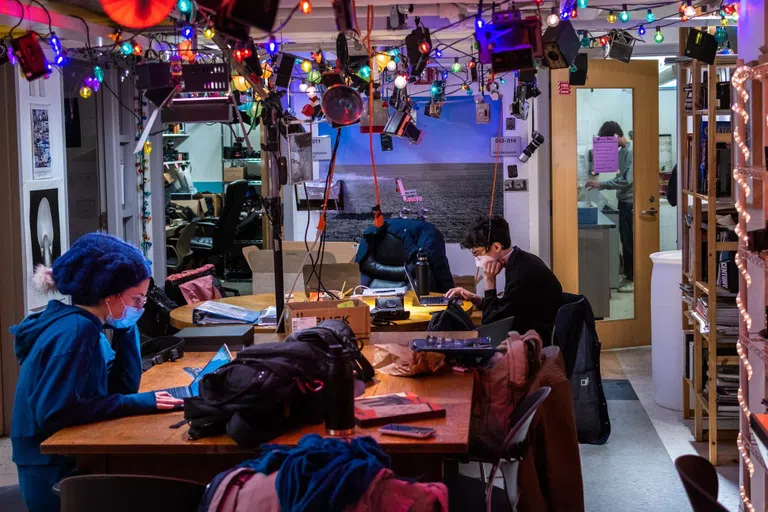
[667, 347]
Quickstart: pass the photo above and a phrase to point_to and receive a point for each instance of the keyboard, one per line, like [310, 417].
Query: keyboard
[180, 392]
[474, 347]
[436, 301]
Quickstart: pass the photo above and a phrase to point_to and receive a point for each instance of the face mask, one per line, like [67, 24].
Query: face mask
[130, 316]
[480, 261]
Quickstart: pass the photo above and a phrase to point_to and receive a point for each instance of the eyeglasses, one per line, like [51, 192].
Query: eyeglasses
[138, 300]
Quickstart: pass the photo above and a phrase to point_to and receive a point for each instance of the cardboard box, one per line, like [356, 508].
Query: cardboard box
[304, 314]
[218, 202]
[197, 206]
[234, 173]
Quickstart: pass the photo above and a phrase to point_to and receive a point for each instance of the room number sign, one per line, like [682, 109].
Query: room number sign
[505, 146]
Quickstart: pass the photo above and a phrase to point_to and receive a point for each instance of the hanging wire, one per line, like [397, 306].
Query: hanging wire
[21, 19]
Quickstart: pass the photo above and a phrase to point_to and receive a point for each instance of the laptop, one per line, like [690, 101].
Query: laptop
[222, 357]
[496, 331]
[426, 301]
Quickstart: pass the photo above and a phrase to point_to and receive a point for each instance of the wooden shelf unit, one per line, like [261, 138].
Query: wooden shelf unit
[703, 407]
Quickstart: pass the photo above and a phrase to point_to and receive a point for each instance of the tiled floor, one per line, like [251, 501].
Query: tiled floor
[622, 305]
[639, 426]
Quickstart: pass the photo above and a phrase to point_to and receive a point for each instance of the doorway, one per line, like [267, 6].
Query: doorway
[83, 122]
[605, 185]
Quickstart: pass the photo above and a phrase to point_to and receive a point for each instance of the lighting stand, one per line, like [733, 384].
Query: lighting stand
[272, 204]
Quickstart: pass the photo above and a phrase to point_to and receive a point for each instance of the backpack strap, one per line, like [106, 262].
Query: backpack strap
[160, 350]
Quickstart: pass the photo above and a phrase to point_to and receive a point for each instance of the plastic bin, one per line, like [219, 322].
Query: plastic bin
[668, 351]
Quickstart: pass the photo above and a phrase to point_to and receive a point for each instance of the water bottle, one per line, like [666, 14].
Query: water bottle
[340, 393]
[422, 274]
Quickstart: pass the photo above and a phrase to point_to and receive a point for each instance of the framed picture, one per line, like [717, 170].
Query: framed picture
[41, 144]
[44, 226]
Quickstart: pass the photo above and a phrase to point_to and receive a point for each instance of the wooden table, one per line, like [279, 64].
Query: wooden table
[146, 444]
[420, 316]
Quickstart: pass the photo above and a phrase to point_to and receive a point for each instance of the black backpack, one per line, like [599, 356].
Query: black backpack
[156, 320]
[267, 390]
[452, 318]
[337, 332]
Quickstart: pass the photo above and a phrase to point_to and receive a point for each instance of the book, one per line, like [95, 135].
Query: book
[397, 407]
[211, 313]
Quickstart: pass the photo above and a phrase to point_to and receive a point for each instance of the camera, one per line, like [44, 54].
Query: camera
[537, 140]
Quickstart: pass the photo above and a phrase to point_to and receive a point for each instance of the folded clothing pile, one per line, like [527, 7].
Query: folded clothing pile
[321, 474]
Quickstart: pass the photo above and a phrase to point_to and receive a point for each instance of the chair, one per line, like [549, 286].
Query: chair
[335, 276]
[497, 330]
[182, 250]
[508, 460]
[124, 493]
[218, 238]
[700, 481]
[409, 196]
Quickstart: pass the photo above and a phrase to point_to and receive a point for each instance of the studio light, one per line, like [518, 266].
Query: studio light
[553, 19]
[658, 36]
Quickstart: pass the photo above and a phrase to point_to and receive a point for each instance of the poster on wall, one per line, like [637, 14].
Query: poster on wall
[44, 226]
[41, 144]
[605, 154]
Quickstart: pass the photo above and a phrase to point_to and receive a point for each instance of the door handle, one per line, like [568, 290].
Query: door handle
[650, 211]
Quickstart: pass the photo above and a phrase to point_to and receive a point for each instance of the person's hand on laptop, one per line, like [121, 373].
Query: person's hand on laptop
[165, 402]
[465, 295]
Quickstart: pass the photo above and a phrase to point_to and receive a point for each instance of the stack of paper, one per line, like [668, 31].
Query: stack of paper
[211, 313]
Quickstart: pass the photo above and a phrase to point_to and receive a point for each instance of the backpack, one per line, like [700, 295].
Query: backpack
[337, 332]
[156, 320]
[499, 387]
[452, 318]
[267, 390]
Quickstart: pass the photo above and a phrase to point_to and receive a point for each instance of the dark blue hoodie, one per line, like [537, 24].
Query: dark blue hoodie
[70, 375]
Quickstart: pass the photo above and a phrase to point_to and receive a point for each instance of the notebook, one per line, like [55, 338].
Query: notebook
[222, 357]
[383, 409]
[211, 312]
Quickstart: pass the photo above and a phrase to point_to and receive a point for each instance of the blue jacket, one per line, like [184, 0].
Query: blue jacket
[415, 234]
[70, 375]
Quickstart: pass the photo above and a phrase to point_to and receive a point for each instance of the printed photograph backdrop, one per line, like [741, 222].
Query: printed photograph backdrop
[452, 171]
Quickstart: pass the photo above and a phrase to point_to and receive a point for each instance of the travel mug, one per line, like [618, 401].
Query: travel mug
[340, 393]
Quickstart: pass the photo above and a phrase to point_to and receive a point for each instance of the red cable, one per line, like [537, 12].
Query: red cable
[496, 165]
[378, 218]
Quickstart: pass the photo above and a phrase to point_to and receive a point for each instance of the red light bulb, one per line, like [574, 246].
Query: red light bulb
[424, 47]
[603, 41]
[306, 6]
[471, 63]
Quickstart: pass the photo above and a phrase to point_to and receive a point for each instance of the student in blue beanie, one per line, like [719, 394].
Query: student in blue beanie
[70, 374]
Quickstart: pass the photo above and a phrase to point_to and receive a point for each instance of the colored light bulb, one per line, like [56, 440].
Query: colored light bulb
[581, 4]
[658, 36]
[209, 32]
[98, 73]
[574, 13]
[303, 86]
[611, 17]
[401, 81]
[311, 91]
[383, 59]
[723, 21]
[456, 67]
[471, 63]
[147, 148]
[55, 43]
[86, 92]
[272, 46]
[690, 10]
[438, 54]
[502, 80]
[306, 66]
[187, 32]
[137, 49]
[126, 48]
[306, 6]
[603, 40]
[553, 19]
[185, 6]
[624, 15]
[424, 46]
[479, 23]
[434, 89]
[365, 72]
[721, 36]
[394, 52]
[314, 76]
[641, 30]
[649, 16]
[392, 65]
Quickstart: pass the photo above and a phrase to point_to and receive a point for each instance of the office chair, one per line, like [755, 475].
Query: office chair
[182, 251]
[464, 492]
[699, 478]
[124, 493]
[218, 238]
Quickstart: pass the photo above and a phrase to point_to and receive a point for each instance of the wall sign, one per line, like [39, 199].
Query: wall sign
[564, 88]
[506, 146]
[321, 147]
[605, 154]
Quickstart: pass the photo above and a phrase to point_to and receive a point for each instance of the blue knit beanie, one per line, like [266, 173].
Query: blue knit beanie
[97, 266]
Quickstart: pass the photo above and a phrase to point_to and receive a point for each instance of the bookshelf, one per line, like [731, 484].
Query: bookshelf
[712, 360]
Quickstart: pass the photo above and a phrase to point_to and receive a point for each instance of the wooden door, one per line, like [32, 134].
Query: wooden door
[588, 255]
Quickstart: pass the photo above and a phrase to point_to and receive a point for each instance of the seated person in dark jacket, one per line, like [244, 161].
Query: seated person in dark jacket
[532, 293]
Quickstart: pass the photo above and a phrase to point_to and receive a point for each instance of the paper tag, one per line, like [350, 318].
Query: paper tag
[298, 324]
[348, 304]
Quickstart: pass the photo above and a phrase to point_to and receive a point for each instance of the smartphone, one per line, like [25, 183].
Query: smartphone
[394, 429]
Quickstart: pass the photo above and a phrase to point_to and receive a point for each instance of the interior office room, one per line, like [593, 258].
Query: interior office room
[335, 255]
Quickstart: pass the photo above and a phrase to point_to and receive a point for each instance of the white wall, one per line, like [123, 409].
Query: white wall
[204, 148]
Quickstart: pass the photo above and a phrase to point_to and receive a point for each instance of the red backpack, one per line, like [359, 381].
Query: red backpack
[499, 387]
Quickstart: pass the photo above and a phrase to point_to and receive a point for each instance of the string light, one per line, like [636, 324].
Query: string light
[624, 15]
[581, 4]
[565, 15]
[311, 91]
[658, 36]
[479, 23]
[649, 16]
[137, 49]
[126, 48]
[98, 73]
[314, 76]
[689, 11]
[85, 92]
[272, 46]
[384, 58]
[723, 20]
[743, 212]
[55, 43]
[745, 454]
[553, 19]
[303, 86]
[611, 17]
[401, 81]
[455, 67]
[185, 6]
[424, 46]
[743, 403]
[306, 66]
[444, 75]
[603, 40]
[438, 54]
[743, 269]
[391, 65]
[641, 30]
[744, 359]
[574, 13]
[306, 6]
[745, 499]
[365, 72]
[744, 315]
[471, 63]
[209, 32]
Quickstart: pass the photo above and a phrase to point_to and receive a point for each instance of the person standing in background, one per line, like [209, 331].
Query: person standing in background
[623, 184]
